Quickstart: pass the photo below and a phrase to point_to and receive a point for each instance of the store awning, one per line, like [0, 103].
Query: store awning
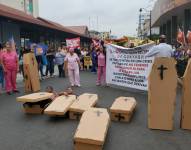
[15, 14]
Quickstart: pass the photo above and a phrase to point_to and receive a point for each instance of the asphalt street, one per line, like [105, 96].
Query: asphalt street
[19, 131]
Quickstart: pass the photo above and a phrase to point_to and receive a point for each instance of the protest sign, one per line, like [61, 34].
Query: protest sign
[73, 43]
[128, 67]
[87, 61]
[40, 49]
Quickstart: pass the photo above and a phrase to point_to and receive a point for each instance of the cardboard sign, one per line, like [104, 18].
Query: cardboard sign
[60, 105]
[122, 109]
[186, 99]
[92, 130]
[162, 94]
[83, 103]
[73, 43]
[87, 61]
[35, 97]
[39, 51]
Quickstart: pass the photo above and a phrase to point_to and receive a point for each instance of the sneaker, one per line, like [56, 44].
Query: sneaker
[72, 85]
[78, 85]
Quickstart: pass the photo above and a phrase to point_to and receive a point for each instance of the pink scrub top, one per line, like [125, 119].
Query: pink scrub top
[101, 60]
[9, 60]
[1, 54]
[72, 61]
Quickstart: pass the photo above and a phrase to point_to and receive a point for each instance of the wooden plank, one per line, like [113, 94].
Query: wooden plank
[84, 102]
[27, 81]
[60, 105]
[82, 146]
[35, 97]
[122, 109]
[30, 60]
[93, 127]
[123, 105]
[186, 99]
[162, 94]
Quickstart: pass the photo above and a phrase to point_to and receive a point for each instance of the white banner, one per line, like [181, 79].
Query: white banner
[128, 67]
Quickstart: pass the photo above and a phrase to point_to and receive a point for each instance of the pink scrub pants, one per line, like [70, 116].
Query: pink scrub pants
[101, 74]
[74, 76]
[10, 80]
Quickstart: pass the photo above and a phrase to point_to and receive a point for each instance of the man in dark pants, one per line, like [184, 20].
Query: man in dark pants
[50, 58]
[94, 60]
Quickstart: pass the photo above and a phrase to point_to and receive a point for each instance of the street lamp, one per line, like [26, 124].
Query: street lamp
[150, 23]
[140, 22]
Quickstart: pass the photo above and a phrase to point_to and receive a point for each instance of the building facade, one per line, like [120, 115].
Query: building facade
[94, 34]
[80, 29]
[142, 18]
[25, 28]
[30, 7]
[146, 29]
[170, 15]
[104, 35]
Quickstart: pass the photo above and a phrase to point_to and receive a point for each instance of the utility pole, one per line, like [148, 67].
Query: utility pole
[150, 25]
[97, 23]
[140, 22]
[89, 22]
[150, 21]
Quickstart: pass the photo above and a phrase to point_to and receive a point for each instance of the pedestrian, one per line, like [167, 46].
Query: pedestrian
[94, 60]
[39, 52]
[59, 60]
[83, 54]
[50, 59]
[161, 50]
[72, 62]
[101, 74]
[10, 66]
[182, 58]
[1, 70]
[21, 71]
[78, 51]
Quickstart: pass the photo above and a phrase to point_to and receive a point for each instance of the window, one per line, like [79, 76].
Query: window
[29, 6]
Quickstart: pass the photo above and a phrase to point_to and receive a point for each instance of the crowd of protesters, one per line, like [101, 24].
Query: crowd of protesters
[68, 60]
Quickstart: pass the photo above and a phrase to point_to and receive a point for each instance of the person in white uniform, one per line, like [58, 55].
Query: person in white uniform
[161, 50]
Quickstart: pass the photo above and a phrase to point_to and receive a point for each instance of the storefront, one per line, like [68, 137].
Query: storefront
[26, 28]
[170, 15]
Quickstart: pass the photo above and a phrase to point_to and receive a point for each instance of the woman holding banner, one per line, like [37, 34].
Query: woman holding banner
[72, 62]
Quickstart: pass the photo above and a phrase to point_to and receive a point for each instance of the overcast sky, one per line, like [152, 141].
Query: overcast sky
[121, 16]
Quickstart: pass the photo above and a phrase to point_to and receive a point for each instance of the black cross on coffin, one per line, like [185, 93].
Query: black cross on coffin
[126, 99]
[33, 61]
[162, 69]
[98, 113]
[120, 117]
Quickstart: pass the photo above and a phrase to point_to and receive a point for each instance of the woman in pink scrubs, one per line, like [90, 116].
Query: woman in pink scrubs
[101, 72]
[73, 62]
[10, 68]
